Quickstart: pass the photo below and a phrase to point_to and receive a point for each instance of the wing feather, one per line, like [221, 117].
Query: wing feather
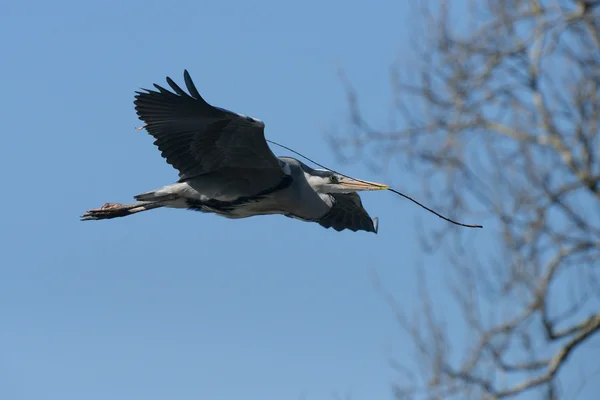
[197, 138]
[348, 213]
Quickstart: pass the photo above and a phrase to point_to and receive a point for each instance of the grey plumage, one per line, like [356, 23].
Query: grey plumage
[348, 213]
[226, 167]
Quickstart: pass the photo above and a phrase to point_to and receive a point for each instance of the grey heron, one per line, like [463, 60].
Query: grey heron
[226, 167]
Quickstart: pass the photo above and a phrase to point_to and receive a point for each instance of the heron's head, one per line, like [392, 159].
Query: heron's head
[323, 181]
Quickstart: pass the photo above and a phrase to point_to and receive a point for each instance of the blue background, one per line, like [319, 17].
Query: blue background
[173, 304]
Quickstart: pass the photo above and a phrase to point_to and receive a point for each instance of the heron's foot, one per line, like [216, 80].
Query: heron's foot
[109, 210]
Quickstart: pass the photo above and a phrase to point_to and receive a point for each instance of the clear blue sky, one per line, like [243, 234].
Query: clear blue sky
[173, 304]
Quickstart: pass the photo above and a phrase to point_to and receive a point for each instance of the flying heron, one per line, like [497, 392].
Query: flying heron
[226, 167]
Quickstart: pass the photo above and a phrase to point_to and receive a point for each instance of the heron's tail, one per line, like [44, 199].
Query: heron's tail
[115, 210]
[152, 196]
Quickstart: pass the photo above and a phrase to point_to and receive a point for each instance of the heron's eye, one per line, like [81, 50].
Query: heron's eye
[333, 179]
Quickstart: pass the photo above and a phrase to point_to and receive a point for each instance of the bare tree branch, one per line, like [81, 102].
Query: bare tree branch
[499, 117]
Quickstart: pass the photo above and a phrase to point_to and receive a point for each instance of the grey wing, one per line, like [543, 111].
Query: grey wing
[197, 138]
[348, 213]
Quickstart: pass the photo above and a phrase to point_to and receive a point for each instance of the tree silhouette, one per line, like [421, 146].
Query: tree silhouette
[498, 112]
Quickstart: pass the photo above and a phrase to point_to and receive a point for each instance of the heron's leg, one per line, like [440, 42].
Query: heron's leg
[114, 210]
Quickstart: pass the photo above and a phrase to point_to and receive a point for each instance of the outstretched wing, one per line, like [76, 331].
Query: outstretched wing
[348, 213]
[197, 138]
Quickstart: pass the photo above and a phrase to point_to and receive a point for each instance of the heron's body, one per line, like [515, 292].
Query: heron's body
[292, 196]
[226, 167]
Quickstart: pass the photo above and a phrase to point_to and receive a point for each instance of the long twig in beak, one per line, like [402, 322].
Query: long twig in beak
[434, 212]
[390, 189]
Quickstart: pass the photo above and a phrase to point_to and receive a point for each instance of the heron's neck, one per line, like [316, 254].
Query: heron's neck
[315, 182]
[327, 199]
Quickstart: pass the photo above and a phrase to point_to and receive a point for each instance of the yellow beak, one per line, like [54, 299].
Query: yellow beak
[356, 185]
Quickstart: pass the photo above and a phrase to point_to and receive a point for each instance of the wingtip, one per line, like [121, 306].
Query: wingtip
[191, 87]
[375, 225]
[186, 76]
